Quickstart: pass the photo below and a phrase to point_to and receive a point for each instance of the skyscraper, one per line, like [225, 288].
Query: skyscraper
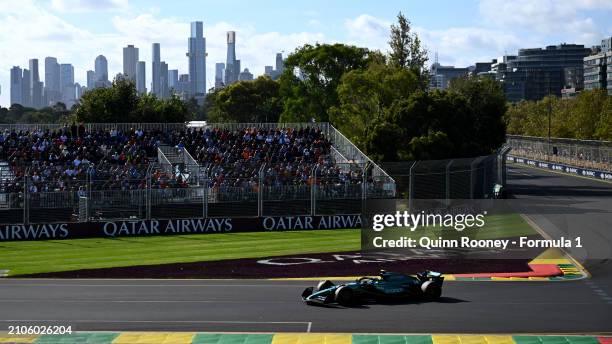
[219, 71]
[537, 72]
[67, 84]
[197, 59]
[156, 70]
[141, 78]
[231, 68]
[36, 98]
[269, 71]
[79, 90]
[52, 90]
[26, 98]
[173, 76]
[101, 69]
[91, 79]
[245, 75]
[130, 60]
[280, 64]
[183, 86]
[16, 85]
[163, 70]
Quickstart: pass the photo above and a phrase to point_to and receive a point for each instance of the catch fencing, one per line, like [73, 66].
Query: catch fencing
[150, 192]
[342, 189]
[468, 178]
[177, 186]
[580, 153]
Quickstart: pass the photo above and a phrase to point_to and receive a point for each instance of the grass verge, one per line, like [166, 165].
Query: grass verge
[29, 257]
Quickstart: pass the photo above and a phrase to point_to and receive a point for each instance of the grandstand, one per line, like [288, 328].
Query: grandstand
[61, 173]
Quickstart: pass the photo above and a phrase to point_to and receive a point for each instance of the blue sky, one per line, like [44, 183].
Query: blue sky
[461, 32]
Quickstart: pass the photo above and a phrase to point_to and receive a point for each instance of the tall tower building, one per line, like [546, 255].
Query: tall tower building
[245, 75]
[141, 77]
[156, 70]
[280, 64]
[173, 76]
[101, 69]
[183, 86]
[67, 84]
[91, 79]
[197, 59]
[130, 60]
[231, 68]
[35, 85]
[26, 98]
[219, 72]
[163, 70]
[16, 85]
[52, 89]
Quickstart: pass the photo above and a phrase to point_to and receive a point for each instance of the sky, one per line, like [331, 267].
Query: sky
[460, 32]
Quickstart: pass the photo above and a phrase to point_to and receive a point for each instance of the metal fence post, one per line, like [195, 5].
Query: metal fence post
[205, 198]
[313, 191]
[26, 197]
[447, 182]
[148, 192]
[473, 177]
[411, 185]
[260, 192]
[89, 191]
[364, 187]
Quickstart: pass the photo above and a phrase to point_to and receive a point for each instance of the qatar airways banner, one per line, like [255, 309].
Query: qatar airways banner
[585, 172]
[111, 229]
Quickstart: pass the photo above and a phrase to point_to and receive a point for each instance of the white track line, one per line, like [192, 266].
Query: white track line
[152, 285]
[133, 301]
[63, 321]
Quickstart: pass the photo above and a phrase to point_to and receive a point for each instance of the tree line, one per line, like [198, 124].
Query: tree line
[119, 103]
[379, 101]
[588, 116]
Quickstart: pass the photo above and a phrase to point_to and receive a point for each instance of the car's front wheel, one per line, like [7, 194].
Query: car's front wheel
[431, 290]
[344, 296]
[325, 285]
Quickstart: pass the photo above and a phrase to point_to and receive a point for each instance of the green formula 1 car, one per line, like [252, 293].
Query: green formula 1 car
[389, 286]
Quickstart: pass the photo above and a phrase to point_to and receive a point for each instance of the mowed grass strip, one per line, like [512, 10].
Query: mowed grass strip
[28, 257]
[499, 226]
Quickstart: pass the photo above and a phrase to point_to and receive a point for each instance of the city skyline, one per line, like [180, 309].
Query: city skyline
[475, 34]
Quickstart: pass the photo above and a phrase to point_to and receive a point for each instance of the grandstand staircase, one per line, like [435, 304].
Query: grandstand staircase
[179, 162]
[6, 174]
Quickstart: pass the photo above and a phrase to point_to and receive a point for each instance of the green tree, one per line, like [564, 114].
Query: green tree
[312, 74]
[407, 50]
[121, 103]
[486, 106]
[585, 117]
[247, 102]
[20, 114]
[117, 103]
[365, 96]
[434, 145]
[604, 126]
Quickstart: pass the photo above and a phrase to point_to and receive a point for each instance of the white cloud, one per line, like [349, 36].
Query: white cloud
[369, 31]
[460, 46]
[88, 5]
[463, 46]
[545, 16]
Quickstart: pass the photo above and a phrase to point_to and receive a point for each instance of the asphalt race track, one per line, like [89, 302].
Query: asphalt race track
[266, 306]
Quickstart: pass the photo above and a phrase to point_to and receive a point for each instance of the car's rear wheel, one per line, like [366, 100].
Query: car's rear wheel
[344, 296]
[431, 290]
[325, 285]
